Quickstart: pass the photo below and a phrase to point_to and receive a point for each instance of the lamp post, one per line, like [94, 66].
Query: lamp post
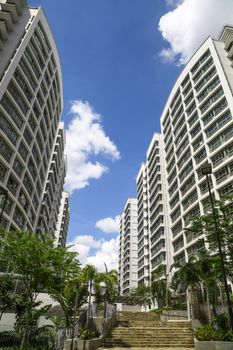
[207, 170]
[4, 193]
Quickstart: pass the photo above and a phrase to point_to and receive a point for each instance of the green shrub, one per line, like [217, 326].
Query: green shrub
[207, 333]
[204, 333]
[86, 334]
[179, 306]
[221, 322]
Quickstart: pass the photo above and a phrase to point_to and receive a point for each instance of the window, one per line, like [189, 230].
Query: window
[5, 150]
[8, 129]
[19, 218]
[2, 172]
[12, 111]
[218, 124]
[211, 100]
[28, 184]
[23, 85]
[217, 109]
[32, 123]
[18, 167]
[23, 200]
[23, 151]
[32, 168]
[27, 71]
[200, 156]
[12, 185]
[28, 136]
[18, 98]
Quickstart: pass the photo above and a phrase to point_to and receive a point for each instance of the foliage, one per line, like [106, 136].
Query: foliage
[159, 286]
[141, 295]
[208, 333]
[84, 333]
[40, 267]
[7, 295]
[222, 219]
[221, 322]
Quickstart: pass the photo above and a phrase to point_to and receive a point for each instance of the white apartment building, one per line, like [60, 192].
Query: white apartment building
[197, 128]
[63, 220]
[31, 100]
[128, 259]
[153, 219]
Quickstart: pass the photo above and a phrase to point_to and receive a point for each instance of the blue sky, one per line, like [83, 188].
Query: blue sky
[117, 73]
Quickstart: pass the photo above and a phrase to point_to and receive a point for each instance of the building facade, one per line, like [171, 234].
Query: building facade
[63, 220]
[128, 247]
[153, 220]
[31, 100]
[197, 128]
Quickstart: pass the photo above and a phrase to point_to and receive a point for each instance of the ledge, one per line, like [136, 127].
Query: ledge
[213, 345]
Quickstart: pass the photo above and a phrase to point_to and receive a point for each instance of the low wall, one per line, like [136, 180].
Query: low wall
[174, 315]
[80, 344]
[213, 345]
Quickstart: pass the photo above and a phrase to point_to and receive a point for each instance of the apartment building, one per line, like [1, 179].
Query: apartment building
[197, 128]
[31, 100]
[63, 220]
[128, 247]
[153, 219]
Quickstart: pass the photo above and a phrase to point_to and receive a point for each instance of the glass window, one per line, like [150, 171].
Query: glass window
[23, 85]
[12, 185]
[28, 184]
[8, 129]
[18, 167]
[32, 168]
[18, 98]
[5, 150]
[23, 200]
[2, 172]
[12, 111]
[23, 151]
[28, 136]
[28, 73]
[19, 218]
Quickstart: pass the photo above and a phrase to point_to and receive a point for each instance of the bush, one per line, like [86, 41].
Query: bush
[179, 306]
[207, 333]
[86, 334]
[221, 322]
[204, 333]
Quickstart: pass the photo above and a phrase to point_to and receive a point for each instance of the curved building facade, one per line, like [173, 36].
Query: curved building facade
[197, 127]
[31, 100]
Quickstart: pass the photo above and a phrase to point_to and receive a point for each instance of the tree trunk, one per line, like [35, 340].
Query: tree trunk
[89, 304]
[208, 303]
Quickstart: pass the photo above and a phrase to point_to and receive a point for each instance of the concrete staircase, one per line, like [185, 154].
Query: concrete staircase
[146, 330]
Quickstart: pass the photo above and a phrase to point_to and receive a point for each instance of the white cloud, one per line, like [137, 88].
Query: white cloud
[85, 139]
[190, 23]
[96, 252]
[109, 225]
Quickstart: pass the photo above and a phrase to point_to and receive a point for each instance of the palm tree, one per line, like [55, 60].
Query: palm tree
[198, 270]
[159, 287]
[142, 295]
[90, 276]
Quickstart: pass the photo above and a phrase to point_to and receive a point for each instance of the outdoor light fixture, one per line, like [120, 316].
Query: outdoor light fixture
[206, 169]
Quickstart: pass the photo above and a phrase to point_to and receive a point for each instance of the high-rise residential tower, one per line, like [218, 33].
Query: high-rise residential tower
[197, 127]
[153, 219]
[128, 259]
[31, 100]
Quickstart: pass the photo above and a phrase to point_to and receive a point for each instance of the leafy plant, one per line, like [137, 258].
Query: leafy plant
[84, 333]
[208, 333]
